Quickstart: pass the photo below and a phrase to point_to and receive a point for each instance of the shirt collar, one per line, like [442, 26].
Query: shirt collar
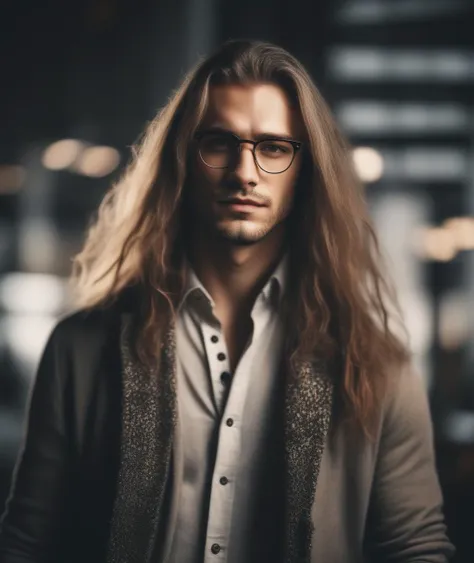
[275, 288]
[194, 288]
[271, 293]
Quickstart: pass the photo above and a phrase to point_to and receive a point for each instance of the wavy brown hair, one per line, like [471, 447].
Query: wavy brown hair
[339, 299]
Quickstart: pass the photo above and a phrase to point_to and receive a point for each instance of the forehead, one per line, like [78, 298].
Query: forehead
[250, 109]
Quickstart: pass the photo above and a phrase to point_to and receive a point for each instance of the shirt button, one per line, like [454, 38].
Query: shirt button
[214, 338]
[223, 480]
[225, 377]
[229, 422]
[215, 548]
[221, 356]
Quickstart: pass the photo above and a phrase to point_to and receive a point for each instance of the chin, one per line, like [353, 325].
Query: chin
[240, 236]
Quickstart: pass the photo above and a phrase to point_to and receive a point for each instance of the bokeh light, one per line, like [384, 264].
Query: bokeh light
[368, 163]
[97, 162]
[62, 154]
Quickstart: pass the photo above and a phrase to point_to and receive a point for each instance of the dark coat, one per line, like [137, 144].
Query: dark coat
[92, 483]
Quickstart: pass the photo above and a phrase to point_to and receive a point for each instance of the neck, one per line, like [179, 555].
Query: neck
[234, 275]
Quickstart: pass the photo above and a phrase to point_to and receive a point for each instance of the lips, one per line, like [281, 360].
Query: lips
[236, 201]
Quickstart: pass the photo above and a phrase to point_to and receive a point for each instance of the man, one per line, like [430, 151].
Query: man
[230, 390]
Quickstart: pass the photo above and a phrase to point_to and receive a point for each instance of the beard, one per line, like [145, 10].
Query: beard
[240, 231]
[240, 234]
[241, 239]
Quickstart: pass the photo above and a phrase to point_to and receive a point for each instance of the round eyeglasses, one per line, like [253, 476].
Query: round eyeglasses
[221, 150]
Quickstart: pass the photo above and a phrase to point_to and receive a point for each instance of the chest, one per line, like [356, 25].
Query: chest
[236, 335]
[236, 361]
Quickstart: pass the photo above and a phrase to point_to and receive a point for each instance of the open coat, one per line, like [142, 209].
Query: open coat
[93, 480]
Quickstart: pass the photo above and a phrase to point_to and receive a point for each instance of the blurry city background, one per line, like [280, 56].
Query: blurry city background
[79, 81]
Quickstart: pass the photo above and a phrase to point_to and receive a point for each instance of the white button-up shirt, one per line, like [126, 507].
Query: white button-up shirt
[225, 422]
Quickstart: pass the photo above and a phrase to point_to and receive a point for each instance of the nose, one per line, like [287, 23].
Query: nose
[246, 170]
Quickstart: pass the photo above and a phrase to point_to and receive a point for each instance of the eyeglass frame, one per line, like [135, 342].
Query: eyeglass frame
[295, 144]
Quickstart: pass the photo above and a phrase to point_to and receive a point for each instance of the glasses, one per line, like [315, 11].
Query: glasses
[221, 150]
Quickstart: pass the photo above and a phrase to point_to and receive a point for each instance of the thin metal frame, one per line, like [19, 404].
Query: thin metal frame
[238, 141]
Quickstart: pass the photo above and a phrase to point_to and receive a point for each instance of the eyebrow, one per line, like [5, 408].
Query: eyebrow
[258, 137]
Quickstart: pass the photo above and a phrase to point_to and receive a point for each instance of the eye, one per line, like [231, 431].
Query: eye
[275, 148]
[216, 143]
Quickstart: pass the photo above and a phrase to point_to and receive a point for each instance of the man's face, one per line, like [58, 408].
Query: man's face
[250, 112]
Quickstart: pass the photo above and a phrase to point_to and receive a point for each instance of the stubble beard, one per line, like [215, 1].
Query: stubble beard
[240, 234]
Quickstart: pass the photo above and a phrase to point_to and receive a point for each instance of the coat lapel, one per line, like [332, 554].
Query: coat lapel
[308, 408]
[148, 421]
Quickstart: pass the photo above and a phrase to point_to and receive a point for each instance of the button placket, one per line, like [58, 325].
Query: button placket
[215, 550]
[223, 488]
[228, 454]
[229, 441]
[216, 353]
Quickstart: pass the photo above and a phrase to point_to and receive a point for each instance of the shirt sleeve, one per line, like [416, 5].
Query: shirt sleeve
[406, 521]
[30, 525]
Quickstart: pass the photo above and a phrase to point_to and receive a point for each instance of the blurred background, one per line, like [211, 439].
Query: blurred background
[79, 81]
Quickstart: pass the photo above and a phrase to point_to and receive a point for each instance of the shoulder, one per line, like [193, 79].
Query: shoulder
[93, 323]
[405, 386]
[406, 409]
[82, 336]
[84, 325]
[82, 349]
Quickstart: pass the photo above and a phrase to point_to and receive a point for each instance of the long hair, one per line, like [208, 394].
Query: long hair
[340, 299]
